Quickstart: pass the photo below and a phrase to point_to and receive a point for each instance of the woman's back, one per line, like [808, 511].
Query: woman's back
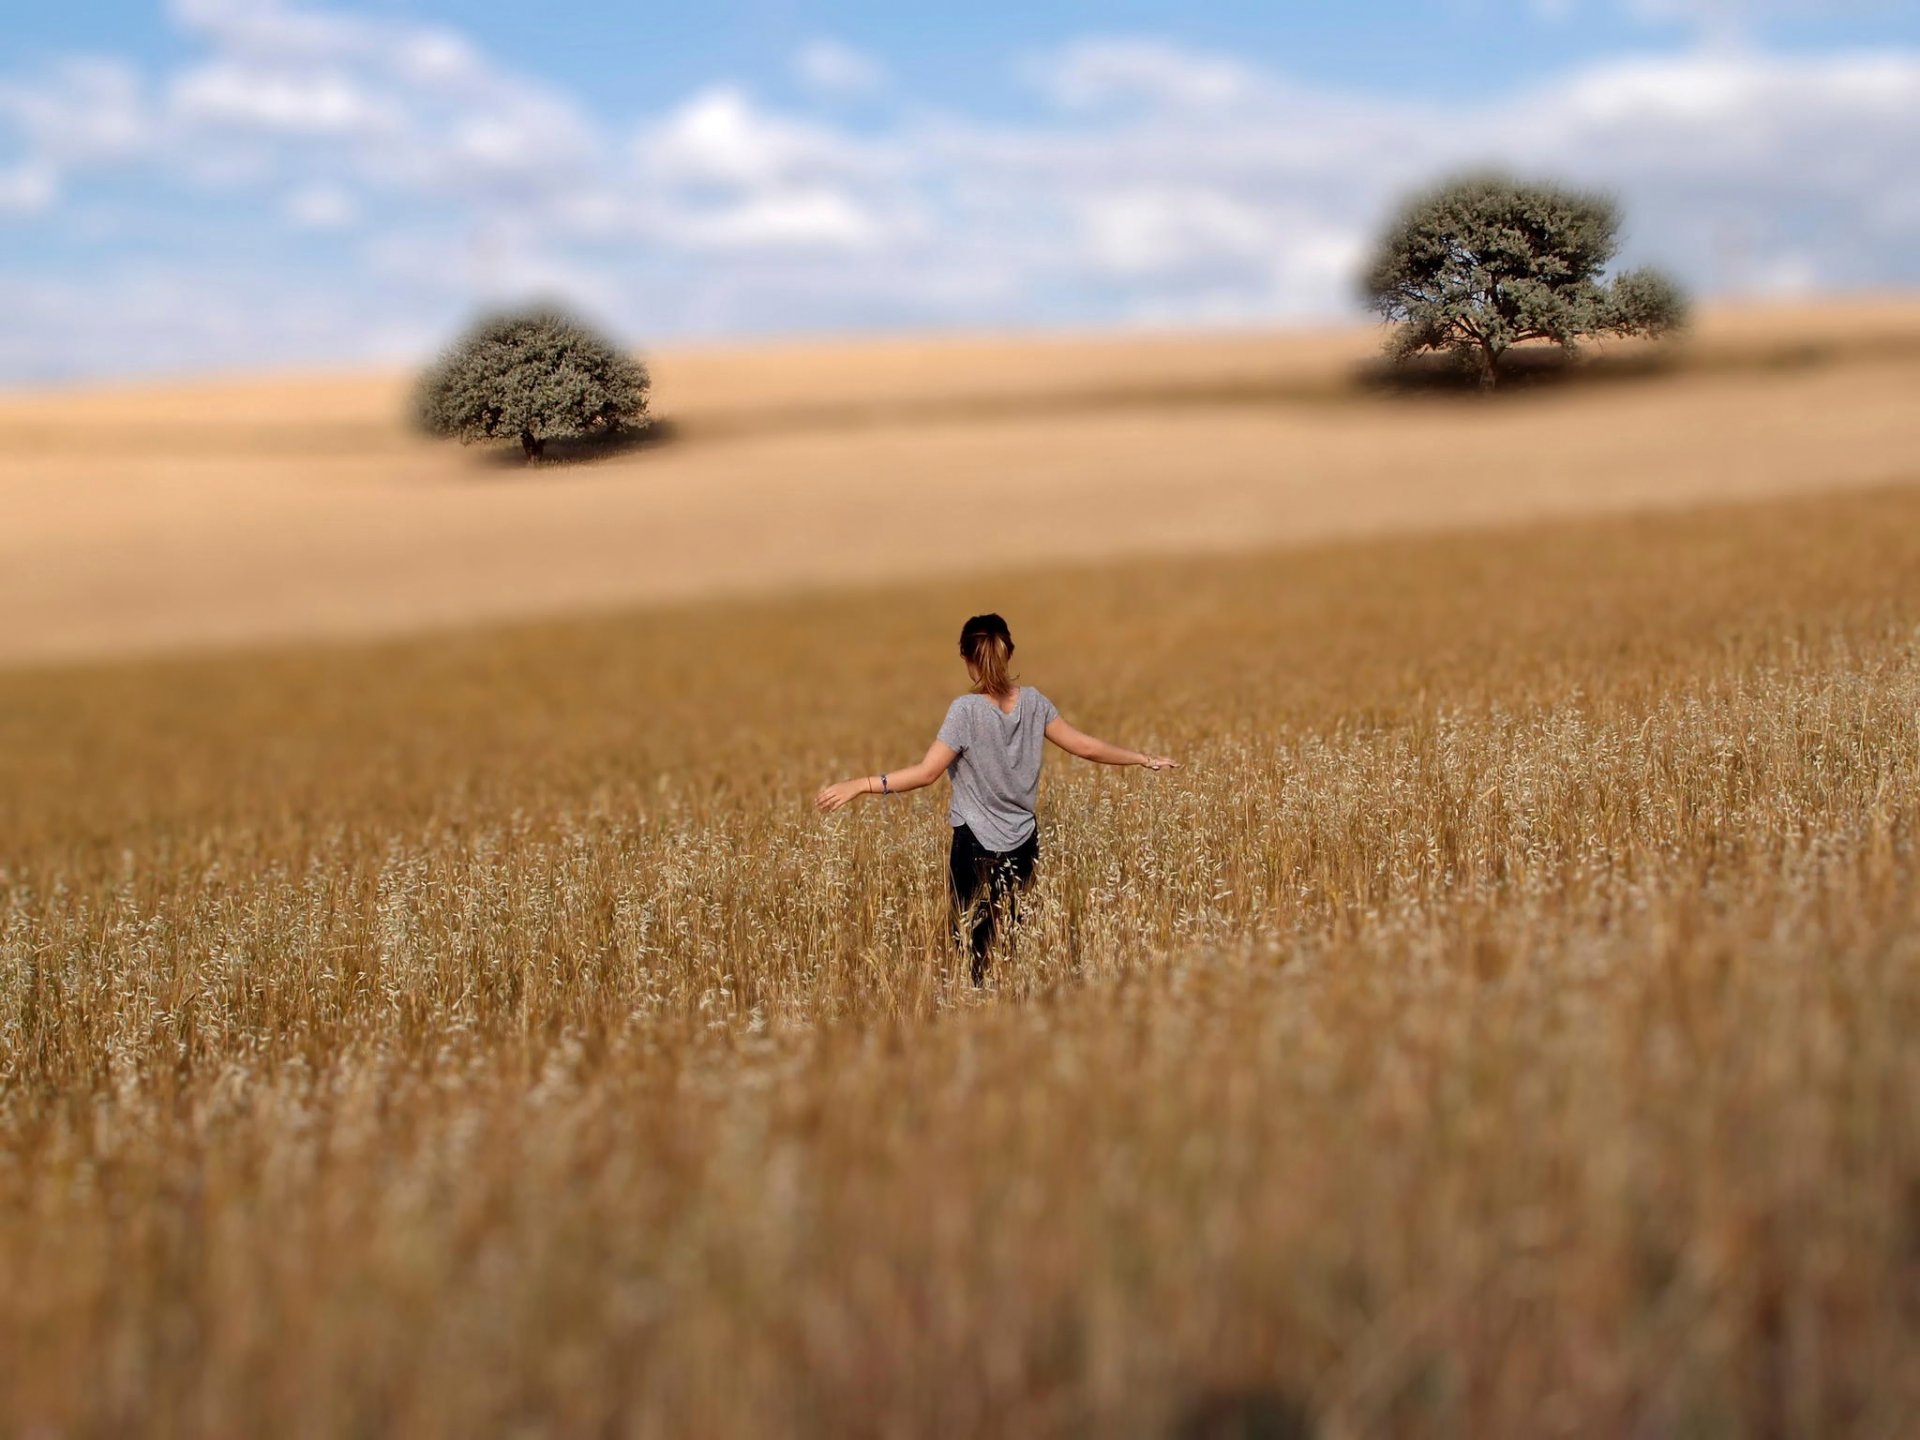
[996, 779]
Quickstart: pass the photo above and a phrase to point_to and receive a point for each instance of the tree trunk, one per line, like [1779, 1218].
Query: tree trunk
[1489, 369]
[531, 445]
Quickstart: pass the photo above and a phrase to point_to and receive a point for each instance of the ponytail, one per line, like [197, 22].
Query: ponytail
[987, 646]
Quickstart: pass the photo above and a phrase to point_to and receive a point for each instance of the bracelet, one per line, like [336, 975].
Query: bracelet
[883, 784]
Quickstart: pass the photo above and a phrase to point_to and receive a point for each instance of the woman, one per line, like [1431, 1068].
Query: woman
[990, 746]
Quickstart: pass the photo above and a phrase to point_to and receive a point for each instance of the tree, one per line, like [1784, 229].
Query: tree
[537, 374]
[1482, 263]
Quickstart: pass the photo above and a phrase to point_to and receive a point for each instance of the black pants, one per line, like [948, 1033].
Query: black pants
[983, 882]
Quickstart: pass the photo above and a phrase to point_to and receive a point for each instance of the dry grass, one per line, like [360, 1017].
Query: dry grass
[201, 514]
[1501, 1027]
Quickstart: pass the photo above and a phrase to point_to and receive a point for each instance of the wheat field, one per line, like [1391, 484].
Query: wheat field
[1501, 1026]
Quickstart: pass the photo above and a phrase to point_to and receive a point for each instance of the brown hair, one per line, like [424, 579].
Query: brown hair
[987, 645]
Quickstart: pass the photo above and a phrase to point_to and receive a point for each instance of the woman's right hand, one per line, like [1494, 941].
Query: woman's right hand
[832, 797]
[1159, 762]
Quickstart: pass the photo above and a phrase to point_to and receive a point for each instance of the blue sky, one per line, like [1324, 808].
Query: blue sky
[237, 183]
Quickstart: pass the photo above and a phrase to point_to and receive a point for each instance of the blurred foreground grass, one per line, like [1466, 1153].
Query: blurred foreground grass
[1502, 1026]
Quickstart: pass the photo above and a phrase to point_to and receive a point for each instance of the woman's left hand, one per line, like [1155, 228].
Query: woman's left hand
[832, 797]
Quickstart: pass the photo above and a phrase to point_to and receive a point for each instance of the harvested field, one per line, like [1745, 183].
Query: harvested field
[246, 512]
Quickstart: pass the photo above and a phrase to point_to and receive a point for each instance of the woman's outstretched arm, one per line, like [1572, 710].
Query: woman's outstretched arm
[913, 777]
[1077, 742]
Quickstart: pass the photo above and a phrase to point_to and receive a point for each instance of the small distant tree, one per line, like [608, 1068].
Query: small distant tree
[1484, 262]
[534, 375]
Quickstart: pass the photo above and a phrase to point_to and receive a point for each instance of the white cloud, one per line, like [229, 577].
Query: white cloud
[725, 174]
[1786, 273]
[1095, 73]
[321, 207]
[1717, 20]
[277, 31]
[169, 317]
[27, 189]
[830, 67]
[85, 110]
[82, 113]
[723, 180]
[413, 106]
[289, 101]
[721, 137]
[801, 218]
[1147, 232]
[440, 60]
[1722, 24]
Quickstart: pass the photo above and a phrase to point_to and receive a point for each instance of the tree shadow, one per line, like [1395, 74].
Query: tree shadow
[1525, 370]
[580, 450]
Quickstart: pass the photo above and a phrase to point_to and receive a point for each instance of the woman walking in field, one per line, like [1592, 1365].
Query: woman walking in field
[990, 747]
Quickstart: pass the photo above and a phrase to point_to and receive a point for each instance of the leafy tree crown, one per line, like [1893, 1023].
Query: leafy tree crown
[1482, 263]
[535, 374]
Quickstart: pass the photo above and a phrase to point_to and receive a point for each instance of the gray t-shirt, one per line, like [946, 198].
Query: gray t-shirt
[997, 777]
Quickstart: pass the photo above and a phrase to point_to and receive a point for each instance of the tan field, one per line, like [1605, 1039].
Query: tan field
[220, 512]
[1500, 1026]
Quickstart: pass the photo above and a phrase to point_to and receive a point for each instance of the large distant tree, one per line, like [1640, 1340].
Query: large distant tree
[1482, 263]
[534, 375]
